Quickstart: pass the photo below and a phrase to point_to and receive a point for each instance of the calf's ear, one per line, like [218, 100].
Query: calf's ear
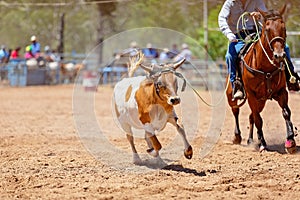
[146, 68]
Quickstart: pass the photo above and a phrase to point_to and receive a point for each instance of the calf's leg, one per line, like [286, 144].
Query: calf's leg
[188, 150]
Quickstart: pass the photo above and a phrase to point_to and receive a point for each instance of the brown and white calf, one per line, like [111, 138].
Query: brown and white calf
[147, 102]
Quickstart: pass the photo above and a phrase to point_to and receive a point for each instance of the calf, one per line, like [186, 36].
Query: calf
[147, 102]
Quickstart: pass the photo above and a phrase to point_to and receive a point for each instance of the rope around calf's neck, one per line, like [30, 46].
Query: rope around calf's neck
[203, 100]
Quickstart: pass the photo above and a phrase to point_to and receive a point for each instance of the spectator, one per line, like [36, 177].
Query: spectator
[150, 52]
[173, 52]
[185, 53]
[133, 47]
[50, 55]
[4, 55]
[28, 52]
[15, 54]
[163, 56]
[35, 47]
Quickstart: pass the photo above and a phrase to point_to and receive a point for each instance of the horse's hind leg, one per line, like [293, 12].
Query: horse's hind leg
[251, 122]
[235, 111]
[237, 132]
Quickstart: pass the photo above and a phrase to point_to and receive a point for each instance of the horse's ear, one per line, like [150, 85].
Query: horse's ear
[263, 13]
[282, 10]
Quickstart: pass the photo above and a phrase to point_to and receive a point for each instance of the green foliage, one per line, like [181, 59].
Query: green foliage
[84, 22]
[217, 42]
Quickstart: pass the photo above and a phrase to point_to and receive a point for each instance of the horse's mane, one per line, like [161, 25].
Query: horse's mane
[272, 15]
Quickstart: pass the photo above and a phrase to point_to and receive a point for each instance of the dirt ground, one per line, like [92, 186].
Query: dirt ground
[42, 155]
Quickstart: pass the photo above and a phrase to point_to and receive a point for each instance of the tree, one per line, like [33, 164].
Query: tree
[217, 42]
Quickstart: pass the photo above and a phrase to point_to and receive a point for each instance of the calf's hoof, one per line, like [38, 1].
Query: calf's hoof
[152, 152]
[188, 153]
[136, 159]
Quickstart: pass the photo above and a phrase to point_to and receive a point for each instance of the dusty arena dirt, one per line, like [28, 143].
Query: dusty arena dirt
[42, 155]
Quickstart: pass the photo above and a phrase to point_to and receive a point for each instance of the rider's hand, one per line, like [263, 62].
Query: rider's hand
[231, 37]
[256, 15]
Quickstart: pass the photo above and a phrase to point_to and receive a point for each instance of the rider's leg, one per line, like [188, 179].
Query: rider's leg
[231, 61]
[293, 83]
[231, 57]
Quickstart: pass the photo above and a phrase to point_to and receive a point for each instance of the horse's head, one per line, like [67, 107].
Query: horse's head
[275, 32]
[164, 78]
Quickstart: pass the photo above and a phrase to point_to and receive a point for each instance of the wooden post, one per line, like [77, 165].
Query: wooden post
[60, 48]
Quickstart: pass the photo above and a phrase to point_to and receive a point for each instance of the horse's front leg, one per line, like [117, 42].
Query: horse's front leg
[188, 150]
[256, 107]
[290, 144]
[258, 124]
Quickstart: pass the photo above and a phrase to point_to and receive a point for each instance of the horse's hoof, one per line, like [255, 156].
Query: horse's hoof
[188, 153]
[152, 152]
[237, 139]
[290, 146]
[262, 148]
[250, 141]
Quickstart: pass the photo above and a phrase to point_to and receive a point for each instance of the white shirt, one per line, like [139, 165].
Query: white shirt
[231, 12]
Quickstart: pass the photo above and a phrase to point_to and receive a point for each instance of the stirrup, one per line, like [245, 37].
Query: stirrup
[238, 95]
[238, 91]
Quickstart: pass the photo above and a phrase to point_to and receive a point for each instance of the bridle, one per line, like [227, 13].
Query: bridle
[276, 37]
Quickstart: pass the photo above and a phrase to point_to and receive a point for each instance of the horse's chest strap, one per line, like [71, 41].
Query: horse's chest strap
[267, 76]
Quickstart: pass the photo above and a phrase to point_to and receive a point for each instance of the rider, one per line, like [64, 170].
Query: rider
[228, 19]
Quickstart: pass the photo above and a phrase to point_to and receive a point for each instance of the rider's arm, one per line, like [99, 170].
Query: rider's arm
[222, 20]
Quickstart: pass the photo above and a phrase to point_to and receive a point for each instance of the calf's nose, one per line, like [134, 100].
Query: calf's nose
[174, 100]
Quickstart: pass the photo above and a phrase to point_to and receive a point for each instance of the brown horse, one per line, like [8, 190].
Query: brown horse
[263, 76]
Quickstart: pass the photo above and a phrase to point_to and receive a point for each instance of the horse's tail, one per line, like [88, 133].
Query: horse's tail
[134, 62]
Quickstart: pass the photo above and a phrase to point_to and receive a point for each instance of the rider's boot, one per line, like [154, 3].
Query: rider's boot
[237, 90]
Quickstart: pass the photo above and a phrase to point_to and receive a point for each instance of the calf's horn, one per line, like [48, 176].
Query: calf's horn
[177, 64]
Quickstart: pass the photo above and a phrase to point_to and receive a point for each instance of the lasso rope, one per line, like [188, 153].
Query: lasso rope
[203, 100]
[243, 21]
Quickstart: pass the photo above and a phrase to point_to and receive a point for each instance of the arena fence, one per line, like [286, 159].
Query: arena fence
[19, 73]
